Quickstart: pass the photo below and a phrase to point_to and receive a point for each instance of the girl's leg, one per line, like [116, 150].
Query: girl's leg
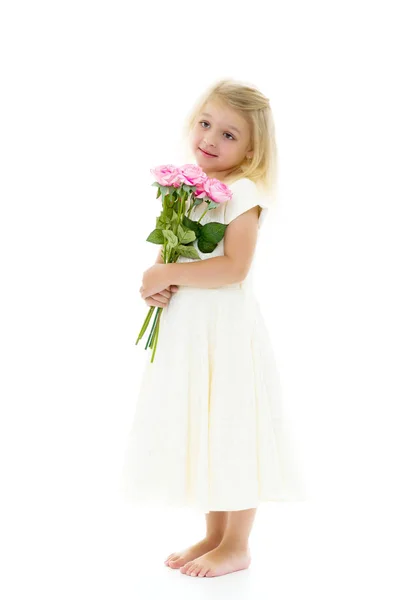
[216, 522]
[237, 531]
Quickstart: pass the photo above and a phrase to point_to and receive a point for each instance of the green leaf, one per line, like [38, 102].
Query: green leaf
[161, 222]
[213, 232]
[188, 188]
[168, 212]
[187, 251]
[156, 237]
[206, 246]
[180, 232]
[164, 189]
[188, 236]
[170, 237]
[158, 189]
[192, 225]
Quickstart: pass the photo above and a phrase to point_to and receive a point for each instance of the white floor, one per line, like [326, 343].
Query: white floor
[81, 549]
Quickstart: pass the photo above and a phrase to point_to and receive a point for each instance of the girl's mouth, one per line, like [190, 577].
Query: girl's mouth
[207, 154]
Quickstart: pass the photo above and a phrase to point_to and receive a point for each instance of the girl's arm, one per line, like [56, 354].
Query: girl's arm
[208, 273]
[239, 246]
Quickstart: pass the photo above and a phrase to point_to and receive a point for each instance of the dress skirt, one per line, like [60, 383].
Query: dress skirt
[209, 431]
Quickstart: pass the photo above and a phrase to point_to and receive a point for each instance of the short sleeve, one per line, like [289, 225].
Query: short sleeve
[245, 195]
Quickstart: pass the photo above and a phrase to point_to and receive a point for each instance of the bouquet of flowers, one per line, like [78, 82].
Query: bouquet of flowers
[181, 189]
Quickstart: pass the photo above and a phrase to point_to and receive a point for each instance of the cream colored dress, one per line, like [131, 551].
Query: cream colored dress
[209, 430]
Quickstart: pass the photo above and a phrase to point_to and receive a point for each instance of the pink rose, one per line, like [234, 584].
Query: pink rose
[199, 191]
[216, 190]
[167, 175]
[192, 174]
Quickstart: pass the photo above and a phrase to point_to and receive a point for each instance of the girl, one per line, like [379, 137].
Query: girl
[209, 431]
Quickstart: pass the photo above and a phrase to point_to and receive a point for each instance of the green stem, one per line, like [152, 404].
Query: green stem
[203, 214]
[191, 207]
[156, 340]
[145, 324]
[152, 328]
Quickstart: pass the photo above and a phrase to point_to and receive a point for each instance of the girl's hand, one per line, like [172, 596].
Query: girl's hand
[162, 298]
[154, 280]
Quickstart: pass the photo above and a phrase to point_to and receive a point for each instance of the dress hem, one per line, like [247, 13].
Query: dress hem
[146, 503]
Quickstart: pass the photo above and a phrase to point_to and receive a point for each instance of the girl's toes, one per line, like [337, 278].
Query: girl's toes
[177, 562]
[170, 556]
[202, 572]
[192, 570]
[187, 566]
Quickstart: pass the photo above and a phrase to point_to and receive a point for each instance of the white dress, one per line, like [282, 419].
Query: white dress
[209, 430]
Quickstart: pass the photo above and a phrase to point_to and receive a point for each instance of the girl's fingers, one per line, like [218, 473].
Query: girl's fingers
[160, 297]
[156, 301]
[167, 292]
[151, 302]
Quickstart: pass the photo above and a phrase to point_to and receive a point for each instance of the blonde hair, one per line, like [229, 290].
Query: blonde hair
[255, 108]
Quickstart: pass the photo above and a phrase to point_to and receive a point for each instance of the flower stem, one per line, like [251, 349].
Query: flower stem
[145, 324]
[156, 338]
[203, 214]
[150, 338]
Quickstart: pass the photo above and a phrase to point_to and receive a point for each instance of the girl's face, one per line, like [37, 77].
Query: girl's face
[224, 133]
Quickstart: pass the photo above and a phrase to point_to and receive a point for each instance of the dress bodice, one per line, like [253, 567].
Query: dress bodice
[245, 195]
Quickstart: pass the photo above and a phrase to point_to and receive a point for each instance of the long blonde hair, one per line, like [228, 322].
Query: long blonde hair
[262, 167]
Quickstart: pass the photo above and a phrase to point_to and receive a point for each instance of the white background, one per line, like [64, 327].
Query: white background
[93, 95]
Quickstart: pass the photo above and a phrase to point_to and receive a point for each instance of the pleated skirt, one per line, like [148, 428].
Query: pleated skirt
[209, 430]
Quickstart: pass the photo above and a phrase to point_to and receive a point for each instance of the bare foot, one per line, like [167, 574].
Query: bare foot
[219, 561]
[178, 559]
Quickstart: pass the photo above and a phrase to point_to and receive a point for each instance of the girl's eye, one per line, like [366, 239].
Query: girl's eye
[231, 136]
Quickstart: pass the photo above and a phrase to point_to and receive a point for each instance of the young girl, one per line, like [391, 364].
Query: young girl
[209, 431]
